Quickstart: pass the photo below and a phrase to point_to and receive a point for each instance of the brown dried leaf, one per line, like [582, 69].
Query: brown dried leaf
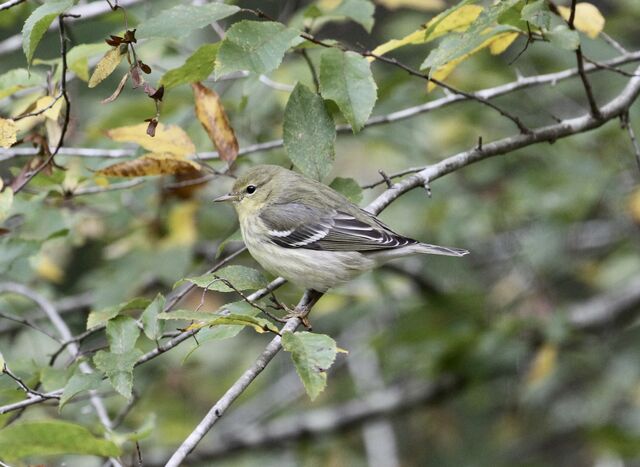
[169, 138]
[106, 65]
[211, 114]
[8, 132]
[151, 164]
[118, 90]
[151, 127]
[144, 67]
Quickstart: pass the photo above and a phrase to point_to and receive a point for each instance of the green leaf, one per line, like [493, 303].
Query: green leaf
[537, 13]
[20, 78]
[312, 355]
[78, 58]
[119, 368]
[224, 331]
[563, 37]
[78, 383]
[346, 79]
[153, 328]
[241, 277]
[309, 133]
[360, 11]
[122, 334]
[259, 324]
[197, 67]
[50, 438]
[38, 22]
[348, 187]
[455, 46]
[256, 46]
[102, 316]
[6, 201]
[188, 315]
[182, 19]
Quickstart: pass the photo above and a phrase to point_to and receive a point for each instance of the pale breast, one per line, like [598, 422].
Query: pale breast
[310, 269]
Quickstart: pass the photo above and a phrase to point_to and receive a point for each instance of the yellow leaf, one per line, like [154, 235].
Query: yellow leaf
[501, 42]
[211, 114]
[168, 138]
[633, 206]
[588, 18]
[497, 44]
[8, 133]
[48, 270]
[150, 164]
[427, 5]
[107, 64]
[543, 364]
[444, 23]
[181, 225]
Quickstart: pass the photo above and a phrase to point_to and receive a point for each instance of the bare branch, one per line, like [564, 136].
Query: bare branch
[72, 348]
[89, 10]
[21, 181]
[374, 405]
[626, 124]
[10, 4]
[550, 133]
[403, 114]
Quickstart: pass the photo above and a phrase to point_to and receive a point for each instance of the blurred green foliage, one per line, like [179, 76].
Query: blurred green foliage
[549, 226]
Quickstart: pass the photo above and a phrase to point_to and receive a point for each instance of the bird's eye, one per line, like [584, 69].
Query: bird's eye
[251, 189]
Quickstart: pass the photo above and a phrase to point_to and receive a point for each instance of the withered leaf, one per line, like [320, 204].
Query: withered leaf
[144, 67]
[107, 65]
[130, 36]
[136, 77]
[151, 164]
[211, 114]
[157, 94]
[169, 138]
[151, 127]
[118, 90]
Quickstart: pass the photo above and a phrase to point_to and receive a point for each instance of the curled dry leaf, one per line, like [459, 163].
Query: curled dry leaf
[8, 132]
[118, 90]
[211, 114]
[107, 65]
[168, 138]
[151, 164]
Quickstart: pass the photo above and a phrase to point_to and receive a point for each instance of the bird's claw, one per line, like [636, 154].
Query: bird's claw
[301, 313]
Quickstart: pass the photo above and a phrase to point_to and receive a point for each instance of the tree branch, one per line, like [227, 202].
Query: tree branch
[374, 405]
[89, 10]
[403, 114]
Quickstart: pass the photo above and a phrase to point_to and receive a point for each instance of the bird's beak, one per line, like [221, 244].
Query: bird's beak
[227, 197]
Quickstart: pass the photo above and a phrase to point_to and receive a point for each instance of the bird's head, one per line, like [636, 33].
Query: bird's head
[252, 190]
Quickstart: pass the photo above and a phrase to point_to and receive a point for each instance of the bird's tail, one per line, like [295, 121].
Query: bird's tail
[439, 250]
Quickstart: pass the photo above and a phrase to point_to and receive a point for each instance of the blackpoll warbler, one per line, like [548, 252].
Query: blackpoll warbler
[309, 233]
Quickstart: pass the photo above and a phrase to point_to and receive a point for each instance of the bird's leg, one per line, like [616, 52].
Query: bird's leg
[303, 308]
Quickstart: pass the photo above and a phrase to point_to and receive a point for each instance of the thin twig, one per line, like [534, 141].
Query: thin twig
[41, 111]
[312, 69]
[23, 385]
[593, 105]
[65, 125]
[626, 124]
[399, 115]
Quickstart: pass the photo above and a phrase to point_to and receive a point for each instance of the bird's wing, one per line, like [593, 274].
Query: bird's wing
[295, 225]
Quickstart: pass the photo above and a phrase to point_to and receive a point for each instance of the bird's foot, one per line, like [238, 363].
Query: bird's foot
[302, 313]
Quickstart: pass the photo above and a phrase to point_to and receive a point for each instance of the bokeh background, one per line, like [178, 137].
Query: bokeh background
[551, 228]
